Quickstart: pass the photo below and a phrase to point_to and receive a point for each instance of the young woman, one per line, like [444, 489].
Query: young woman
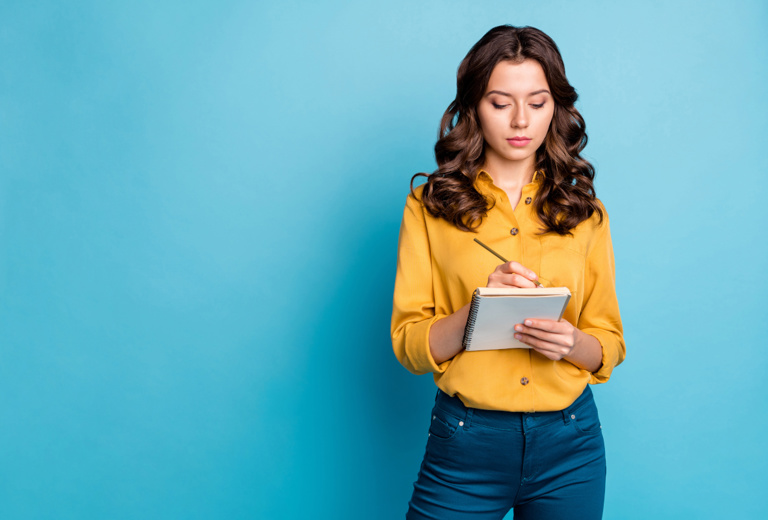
[510, 428]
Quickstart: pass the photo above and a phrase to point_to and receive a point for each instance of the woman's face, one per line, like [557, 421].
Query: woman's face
[516, 104]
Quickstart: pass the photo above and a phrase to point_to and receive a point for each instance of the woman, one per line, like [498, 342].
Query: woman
[511, 428]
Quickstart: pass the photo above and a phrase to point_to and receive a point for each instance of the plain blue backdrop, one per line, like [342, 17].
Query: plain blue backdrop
[199, 211]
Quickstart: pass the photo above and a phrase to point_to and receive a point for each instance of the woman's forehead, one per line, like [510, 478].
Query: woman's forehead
[517, 79]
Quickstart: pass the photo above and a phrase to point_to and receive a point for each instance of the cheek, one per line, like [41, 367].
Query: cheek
[483, 116]
[482, 121]
[548, 119]
[545, 124]
[489, 127]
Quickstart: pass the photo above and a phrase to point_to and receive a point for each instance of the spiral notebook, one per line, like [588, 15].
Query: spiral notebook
[494, 312]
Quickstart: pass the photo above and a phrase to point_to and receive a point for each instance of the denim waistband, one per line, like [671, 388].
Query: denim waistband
[508, 420]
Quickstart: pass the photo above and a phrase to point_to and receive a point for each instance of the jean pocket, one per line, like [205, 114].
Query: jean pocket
[586, 420]
[443, 426]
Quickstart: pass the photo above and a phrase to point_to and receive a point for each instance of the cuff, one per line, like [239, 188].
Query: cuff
[418, 352]
[610, 357]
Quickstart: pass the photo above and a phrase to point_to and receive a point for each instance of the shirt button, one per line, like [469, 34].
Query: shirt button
[524, 381]
[513, 231]
[461, 423]
[528, 200]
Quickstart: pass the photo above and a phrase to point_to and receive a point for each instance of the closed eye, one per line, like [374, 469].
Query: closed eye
[499, 107]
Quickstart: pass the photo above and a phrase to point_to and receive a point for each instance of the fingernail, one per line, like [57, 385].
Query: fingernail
[528, 322]
[517, 336]
[519, 328]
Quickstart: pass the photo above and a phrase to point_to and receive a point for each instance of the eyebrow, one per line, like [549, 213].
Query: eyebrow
[541, 91]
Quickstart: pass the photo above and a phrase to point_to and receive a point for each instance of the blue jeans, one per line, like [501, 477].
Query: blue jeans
[479, 464]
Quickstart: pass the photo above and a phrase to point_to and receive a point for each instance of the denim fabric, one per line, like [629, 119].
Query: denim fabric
[479, 464]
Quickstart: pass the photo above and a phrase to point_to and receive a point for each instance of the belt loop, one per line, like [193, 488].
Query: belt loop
[569, 411]
[468, 418]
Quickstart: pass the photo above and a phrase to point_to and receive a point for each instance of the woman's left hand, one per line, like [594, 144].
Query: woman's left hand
[560, 340]
[553, 339]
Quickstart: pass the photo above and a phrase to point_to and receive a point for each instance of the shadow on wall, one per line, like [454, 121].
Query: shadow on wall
[374, 413]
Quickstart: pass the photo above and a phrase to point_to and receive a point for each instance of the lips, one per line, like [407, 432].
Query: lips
[519, 141]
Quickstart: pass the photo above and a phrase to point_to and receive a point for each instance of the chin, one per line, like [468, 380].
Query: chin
[518, 157]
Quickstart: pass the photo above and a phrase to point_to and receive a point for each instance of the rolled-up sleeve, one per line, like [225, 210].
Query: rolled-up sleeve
[600, 313]
[413, 305]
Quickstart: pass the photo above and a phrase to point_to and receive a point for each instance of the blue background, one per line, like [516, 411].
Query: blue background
[199, 211]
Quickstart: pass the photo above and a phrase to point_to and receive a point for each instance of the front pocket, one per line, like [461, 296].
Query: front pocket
[586, 420]
[443, 426]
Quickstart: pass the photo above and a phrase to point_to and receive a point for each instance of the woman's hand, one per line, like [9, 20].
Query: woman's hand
[558, 340]
[553, 339]
[446, 335]
[512, 274]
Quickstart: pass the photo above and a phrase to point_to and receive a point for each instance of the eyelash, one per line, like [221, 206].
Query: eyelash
[499, 107]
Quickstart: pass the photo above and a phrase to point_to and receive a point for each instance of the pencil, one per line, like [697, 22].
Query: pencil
[504, 259]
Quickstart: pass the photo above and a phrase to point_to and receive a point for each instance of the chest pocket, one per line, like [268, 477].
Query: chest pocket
[562, 266]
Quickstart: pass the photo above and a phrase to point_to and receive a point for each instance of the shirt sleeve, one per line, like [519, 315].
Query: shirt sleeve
[413, 305]
[600, 313]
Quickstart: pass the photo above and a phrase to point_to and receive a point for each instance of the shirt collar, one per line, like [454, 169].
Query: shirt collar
[484, 178]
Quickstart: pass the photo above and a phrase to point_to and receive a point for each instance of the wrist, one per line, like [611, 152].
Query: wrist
[587, 353]
[447, 334]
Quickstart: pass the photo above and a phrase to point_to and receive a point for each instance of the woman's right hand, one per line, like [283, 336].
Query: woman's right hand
[512, 274]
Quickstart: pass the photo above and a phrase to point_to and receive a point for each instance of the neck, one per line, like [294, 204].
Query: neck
[510, 174]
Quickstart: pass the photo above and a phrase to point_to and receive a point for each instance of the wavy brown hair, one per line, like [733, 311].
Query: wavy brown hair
[567, 195]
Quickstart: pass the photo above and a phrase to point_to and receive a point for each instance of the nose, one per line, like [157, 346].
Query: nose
[519, 117]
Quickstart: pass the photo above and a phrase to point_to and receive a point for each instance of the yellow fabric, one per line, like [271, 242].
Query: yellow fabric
[439, 267]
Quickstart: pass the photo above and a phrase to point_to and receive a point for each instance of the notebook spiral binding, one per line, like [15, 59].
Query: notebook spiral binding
[470, 327]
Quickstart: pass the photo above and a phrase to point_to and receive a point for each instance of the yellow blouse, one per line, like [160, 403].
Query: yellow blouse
[439, 267]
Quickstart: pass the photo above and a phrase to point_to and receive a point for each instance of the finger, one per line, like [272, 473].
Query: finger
[509, 280]
[560, 327]
[550, 350]
[560, 340]
[516, 280]
[518, 268]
